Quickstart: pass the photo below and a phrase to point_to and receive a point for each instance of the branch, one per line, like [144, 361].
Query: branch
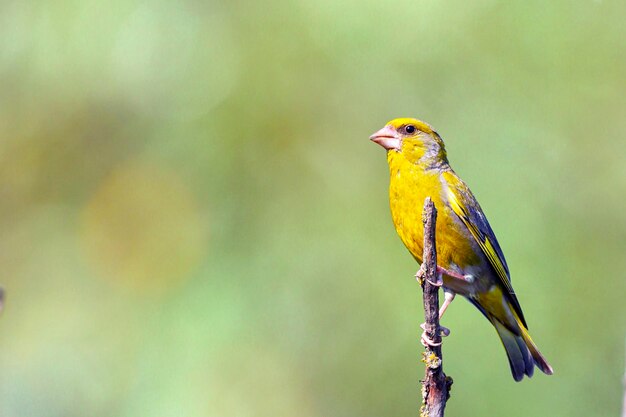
[435, 386]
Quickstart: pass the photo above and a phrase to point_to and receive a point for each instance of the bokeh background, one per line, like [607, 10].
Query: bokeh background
[194, 223]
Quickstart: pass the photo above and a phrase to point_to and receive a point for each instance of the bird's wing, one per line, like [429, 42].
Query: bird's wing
[465, 206]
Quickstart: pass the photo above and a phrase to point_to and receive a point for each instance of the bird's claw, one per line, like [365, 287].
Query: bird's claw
[437, 283]
[427, 341]
[444, 330]
[420, 277]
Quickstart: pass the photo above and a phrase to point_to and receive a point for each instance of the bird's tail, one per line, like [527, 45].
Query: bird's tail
[521, 350]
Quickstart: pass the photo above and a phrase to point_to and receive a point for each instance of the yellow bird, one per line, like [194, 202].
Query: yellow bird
[469, 259]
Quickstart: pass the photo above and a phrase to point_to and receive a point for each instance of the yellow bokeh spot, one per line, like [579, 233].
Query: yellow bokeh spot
[143, 229]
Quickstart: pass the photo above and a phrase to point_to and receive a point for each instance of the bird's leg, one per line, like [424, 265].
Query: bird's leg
[448, 297]
[419, 275]
[427, 341]
[451, 274]
[458, 281]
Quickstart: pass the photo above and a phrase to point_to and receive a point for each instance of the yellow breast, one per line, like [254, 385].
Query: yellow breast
[409, 186]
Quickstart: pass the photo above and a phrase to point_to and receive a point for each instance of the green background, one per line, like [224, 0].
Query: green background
[193, 221]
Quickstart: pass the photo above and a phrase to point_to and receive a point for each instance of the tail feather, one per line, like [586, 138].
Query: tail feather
[528, 357]
[519, 356]
[540, 361]
[521, 351]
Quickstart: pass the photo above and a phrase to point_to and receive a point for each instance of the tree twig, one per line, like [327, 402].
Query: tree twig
[435, 386]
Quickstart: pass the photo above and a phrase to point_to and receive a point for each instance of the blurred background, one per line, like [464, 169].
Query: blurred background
[193, 221]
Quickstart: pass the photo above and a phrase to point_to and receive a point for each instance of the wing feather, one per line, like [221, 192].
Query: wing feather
[465, 206]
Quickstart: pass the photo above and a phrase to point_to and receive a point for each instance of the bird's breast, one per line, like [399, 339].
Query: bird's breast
[409, 186]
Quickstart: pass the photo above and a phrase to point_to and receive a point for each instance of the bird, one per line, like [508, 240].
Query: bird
[470, 261]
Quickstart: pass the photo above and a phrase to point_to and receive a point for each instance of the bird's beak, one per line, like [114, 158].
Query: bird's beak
[387, 137]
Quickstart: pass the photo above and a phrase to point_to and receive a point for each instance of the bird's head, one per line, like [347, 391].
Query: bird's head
[412, 138]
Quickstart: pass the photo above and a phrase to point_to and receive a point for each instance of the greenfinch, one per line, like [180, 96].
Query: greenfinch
[469, 259]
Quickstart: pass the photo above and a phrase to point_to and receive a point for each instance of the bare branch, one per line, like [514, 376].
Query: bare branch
[435, 386]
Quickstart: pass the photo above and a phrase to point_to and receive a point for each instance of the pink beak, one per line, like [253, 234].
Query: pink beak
[387, 137]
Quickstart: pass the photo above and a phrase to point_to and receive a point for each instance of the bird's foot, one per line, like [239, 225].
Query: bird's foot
[439, 281]
[427, 341]
[419, 275]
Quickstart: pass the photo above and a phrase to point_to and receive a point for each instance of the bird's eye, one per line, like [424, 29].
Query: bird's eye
[410, 129]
